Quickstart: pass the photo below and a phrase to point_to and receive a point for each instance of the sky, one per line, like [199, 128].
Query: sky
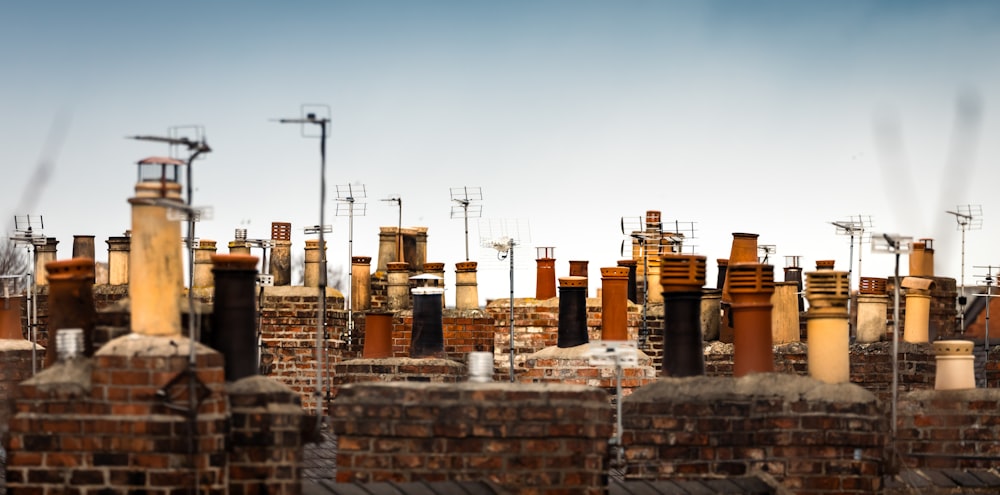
[767, 117]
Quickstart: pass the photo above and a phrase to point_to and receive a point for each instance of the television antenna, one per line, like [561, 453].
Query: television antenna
[649, 239]
[395, 198]
[466, 199]
[347, 204]
[968, 217]
[988, 281]
[27, 231]
[642, 237]
[504, 236]
[857, 227]
[764, 251]
[897, 245]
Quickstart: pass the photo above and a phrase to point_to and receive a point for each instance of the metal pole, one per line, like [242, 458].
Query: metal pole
[465, 208]
[510, 250]
[961, 295]
[321, 319]
[32, 309]
[895, 348]
[350, 263]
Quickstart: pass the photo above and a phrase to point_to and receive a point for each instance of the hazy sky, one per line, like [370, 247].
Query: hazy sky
[769, 117]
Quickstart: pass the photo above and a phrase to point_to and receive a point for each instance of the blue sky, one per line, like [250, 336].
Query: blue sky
[772, 117]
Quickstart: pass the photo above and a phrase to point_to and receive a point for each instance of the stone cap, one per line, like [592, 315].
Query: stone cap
[628, 262]
[206, 244]
[361, 260]
[434, 267]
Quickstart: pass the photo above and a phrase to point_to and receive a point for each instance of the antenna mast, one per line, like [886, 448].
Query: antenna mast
[968, 217]
[988, 281]
[467, 199]
[308, 117]
[347, 196]
[25, 233]
[504, 236]
[897, 245]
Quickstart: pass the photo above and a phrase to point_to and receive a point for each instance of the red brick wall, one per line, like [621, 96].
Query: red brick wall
[15, 367]
[99, 423]
[430, 370]
[288, 334]
[265, 438]
[463, 333]
[949, 429]
[536, 326]
[812, 437]
[529, 439]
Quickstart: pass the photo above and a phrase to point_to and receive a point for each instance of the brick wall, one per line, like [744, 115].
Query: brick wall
[570, 366]
[871, 365]
[812, 437]
[536, 326]
[100, 424]
[265, 437]
[385, 370]
[15, 367]
[537, 439]
[464, 331]
[288, 335]
[954, 429]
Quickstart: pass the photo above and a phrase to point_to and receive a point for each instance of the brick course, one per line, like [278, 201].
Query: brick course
[811, 436]
[537, 439]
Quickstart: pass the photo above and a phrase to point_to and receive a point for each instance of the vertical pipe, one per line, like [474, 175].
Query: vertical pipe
[83, 246]
[203, 253]
[545, 278]
[427, 339]
[234, 333]
[872, 306]
[466, 288]
[280, 264]
[631, 265]
[743, 250]
[313, 259]
[156, 275]
[378, 335]
[71, 302]
[10, 318]
[578, 268]
[682, 278]
[828, 332]
[614, 303]
[398, 280]
[955, 365]
[118, 256]
[361, 281]
[572, 312]
[751, 286]
[44, 254]
[436, 269]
